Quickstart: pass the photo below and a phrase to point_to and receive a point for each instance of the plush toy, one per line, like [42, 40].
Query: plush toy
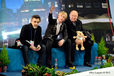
[79, 39]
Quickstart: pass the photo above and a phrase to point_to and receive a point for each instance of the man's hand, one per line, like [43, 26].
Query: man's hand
[33, 48]
[38, 47]
[61, 42]
[52, 8]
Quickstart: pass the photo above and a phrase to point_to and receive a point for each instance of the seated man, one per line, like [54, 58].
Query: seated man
[56, 36]
[74, 24]
[31, 38]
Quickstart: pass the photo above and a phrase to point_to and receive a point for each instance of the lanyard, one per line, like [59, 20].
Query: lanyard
[34, 34]
[31, 32]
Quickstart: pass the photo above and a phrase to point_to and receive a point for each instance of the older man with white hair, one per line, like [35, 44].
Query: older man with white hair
[74, 24]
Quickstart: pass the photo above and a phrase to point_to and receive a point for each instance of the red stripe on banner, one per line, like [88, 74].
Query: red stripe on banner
[109, 18]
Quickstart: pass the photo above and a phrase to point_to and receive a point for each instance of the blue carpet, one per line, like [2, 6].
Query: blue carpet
[79, 68]
[11, 74]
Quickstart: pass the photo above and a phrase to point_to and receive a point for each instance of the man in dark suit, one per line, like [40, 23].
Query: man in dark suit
[31, 38]
[74, 24]
[56, 36]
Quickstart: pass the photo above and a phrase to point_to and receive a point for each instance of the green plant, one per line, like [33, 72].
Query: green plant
[50, 71]
[95, 68]
[108, 57]
[4, 59]
[93, 37]
[72, 72]
[108, 64]
[33, 69]
[102, 50]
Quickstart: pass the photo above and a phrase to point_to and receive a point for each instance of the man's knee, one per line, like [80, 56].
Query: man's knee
[68, 41]
[25, 48]
[43, 48]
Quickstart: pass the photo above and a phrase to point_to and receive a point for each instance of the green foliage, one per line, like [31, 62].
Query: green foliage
[102, 50]
[50, 71]
[34, 70]
[72, 72]
[4, 57]
[108, 56]
[95, 68]
[109, 61]
[93, 37]
[38, 71]
[108, 64]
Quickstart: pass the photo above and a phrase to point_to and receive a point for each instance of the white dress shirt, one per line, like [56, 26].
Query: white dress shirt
[58, 27]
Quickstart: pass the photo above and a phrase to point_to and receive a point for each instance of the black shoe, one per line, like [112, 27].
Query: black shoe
[49, 66]
[70, 64]
[87, 64]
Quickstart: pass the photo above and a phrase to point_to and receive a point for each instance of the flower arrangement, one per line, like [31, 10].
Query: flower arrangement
[34, 70]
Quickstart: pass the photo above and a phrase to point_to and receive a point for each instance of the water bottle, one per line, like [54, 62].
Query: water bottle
[56, 63]
[96, 60]
[5, 43]
[99, 60]
[103, 60]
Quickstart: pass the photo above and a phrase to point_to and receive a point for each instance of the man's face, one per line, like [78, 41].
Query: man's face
[35, 21]
[61, 18]
[73, 16]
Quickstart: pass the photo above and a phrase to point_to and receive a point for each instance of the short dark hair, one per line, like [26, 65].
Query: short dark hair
[36, 16]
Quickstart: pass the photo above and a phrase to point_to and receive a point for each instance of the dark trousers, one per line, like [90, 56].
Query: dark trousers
[87, 44]
[41, 53]
[54, 44]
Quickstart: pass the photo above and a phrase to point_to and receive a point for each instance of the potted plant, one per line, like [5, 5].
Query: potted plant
[102, 49]
[34, 70]
[4, 59]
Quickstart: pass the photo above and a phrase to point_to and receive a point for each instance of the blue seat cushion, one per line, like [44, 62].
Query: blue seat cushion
[94, 53]
[79, 57]
[58, 53]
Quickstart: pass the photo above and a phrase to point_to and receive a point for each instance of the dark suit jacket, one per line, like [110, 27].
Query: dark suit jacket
[71, 29]
[27, 33]
[51, 29]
